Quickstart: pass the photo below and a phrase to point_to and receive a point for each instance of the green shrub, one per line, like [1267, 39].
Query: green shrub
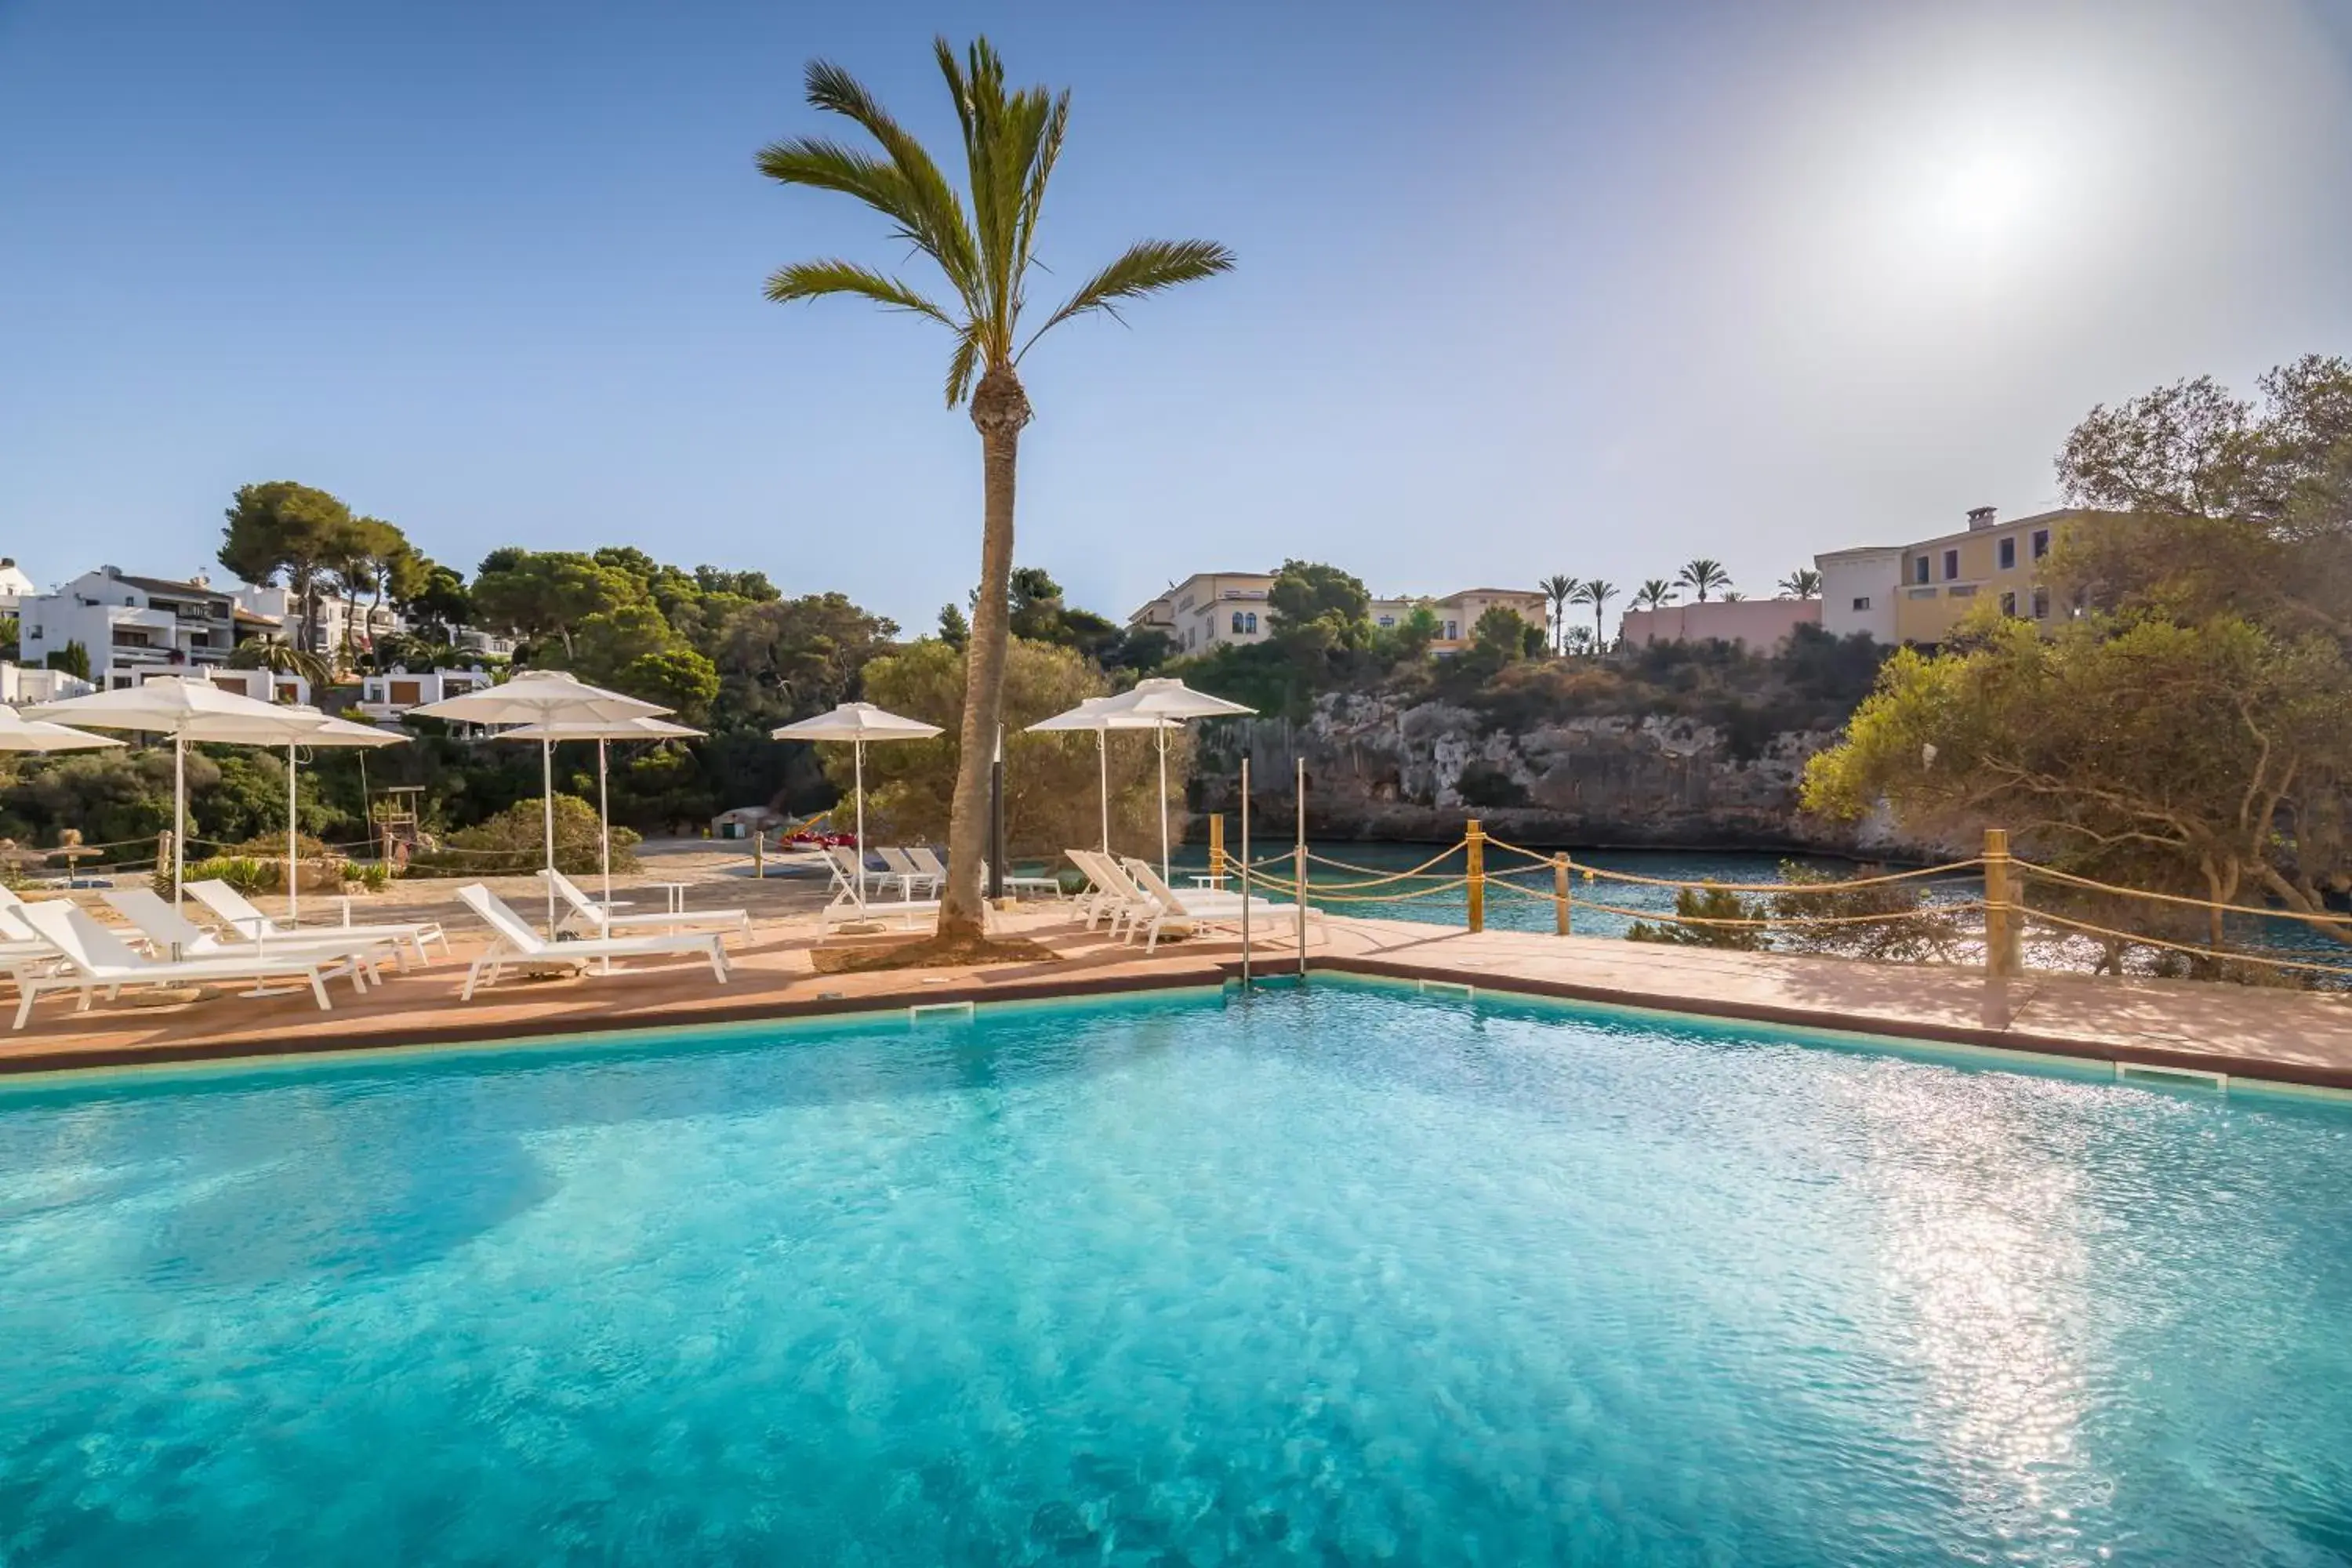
[512, 843]
[1711, 903]
[243, 873]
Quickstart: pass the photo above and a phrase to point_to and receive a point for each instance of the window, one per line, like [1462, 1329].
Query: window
[1252, 619]
[2041, 543]
[1919, 593]
[1862, 602]
[1919, 570]
[1453, 631]
[1387, 620]
[1237, 622]
[2041, 604]
[2009, 553]
[1951, 565]
[2008, 600]
[1962, 590]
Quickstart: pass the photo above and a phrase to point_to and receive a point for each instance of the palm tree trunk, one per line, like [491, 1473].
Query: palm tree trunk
[999, 409]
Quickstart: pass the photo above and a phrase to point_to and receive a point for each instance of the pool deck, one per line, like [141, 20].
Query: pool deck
[2286, 1037]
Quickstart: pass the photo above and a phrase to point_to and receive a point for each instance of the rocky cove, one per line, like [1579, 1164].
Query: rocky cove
[1383, 769]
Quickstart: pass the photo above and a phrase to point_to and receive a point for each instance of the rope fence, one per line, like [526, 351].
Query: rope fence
[1963, 908]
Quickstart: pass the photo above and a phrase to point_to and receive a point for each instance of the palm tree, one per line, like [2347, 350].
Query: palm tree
[1654, 593]
[1597, 594]
[1703, 576]
[1010, 141]
[282, 658]
[1557, 589]
[1804, 583]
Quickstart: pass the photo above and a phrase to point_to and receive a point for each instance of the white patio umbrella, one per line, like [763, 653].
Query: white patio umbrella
[602, 732]
[858, 722]
[1096, 714]
[187, 707]
[1164, 697]
[18, 733]
[539, 697]
[295, 726]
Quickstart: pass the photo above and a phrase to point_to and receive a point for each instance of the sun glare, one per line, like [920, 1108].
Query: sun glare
[1985, 195]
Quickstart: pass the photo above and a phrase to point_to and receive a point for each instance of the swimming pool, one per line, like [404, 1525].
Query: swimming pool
[1346, 1275]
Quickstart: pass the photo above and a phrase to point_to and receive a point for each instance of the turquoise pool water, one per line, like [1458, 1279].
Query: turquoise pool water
[1351, 1277]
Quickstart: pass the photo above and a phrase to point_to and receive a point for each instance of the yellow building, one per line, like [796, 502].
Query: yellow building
[1942, 580]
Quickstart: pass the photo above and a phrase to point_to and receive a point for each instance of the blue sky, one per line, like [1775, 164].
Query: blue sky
[1523, 289]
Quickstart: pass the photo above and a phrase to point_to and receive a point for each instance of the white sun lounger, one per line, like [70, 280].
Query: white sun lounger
[1201, 908]
[247, 920]
[516, 943]
[94, 958]
[913, 874]
[603, 922]
[172, 932]
[18, 942]
[846, 862]
[1115, 894]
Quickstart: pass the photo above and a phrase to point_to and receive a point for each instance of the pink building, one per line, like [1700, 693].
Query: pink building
[1760, 625]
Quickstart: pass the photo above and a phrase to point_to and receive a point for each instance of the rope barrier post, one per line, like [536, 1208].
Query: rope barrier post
[760, 854]
[1245, 870]
[1301, 853]
[1216, 848]
[2001, 944]
[1559, 892]
[1473, 841]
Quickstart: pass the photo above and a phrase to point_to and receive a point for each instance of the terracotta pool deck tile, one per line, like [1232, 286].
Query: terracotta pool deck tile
[2290, 1036]
[2295, 1036]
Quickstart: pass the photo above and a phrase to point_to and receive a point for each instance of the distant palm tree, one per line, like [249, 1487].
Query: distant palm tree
[1654, 593]
[1804, 583]
[1704, 576]
[282, 658]
[1597, 594]
[1557, 589]
[1010, 141]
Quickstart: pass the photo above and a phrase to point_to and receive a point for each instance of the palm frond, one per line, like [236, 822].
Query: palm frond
[815, 279]
[940, 225]
[964, 364]
[1149, 266]
[1047, 152]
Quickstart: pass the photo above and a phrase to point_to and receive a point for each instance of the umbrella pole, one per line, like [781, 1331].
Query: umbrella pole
[1162, 733]
[179, 813]
[293, 878]
[1102, 759]
[605, 819]
[857, 765]
[604, 815]
[546, 813]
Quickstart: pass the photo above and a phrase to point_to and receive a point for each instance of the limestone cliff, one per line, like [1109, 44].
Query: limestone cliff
[1383, 768]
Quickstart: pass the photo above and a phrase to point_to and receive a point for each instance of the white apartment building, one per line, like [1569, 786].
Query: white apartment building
[23, 684]
[1859, 590]
[15, 586]
[342, 623]
[129, 625]
[393, 693]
